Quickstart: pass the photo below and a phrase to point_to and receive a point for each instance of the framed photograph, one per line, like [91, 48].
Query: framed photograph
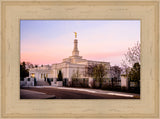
[80, 59]
[100, 66]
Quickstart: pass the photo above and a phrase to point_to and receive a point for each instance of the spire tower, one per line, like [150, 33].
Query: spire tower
[75, 51]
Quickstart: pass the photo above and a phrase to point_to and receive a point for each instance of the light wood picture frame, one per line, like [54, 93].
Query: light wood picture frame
[12, 11]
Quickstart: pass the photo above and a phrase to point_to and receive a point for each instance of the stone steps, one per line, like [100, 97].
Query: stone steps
[42, 83]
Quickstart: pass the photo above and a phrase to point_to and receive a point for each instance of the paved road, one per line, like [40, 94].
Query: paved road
[30, 94]
[80, 93]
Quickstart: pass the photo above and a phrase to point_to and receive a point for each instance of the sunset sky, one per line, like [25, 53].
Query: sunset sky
[50, 41]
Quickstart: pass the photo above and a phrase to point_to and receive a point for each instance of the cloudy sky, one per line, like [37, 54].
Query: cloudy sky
[49, 41]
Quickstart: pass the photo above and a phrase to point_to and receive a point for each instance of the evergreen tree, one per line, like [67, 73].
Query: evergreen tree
[23, 71]
[60, 76]
[134, 74]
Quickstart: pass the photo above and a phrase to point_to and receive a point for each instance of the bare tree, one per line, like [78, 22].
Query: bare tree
[125, 68]
[131, 65]
[97, 71]
[133, 54]
[131, 57]
[29, 65]
[76, 78]
[115, 72]
[76, 74]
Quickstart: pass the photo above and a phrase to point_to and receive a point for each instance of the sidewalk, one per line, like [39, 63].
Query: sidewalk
[27, 94]
[99, 91]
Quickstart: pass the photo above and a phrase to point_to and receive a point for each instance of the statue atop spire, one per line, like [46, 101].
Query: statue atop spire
[75, 34]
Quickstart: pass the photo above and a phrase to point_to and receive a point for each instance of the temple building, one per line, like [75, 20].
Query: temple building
[69, 67]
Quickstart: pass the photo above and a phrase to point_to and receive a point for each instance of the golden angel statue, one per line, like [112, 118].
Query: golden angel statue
[75, 34]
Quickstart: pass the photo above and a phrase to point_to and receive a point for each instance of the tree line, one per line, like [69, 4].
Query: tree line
[130, 67]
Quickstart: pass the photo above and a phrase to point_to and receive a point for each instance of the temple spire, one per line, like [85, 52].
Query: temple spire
[75, 51]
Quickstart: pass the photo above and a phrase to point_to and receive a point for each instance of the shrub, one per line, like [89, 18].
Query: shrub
[28, 79]
[49, 81]
[123, 88]
[35, 82]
